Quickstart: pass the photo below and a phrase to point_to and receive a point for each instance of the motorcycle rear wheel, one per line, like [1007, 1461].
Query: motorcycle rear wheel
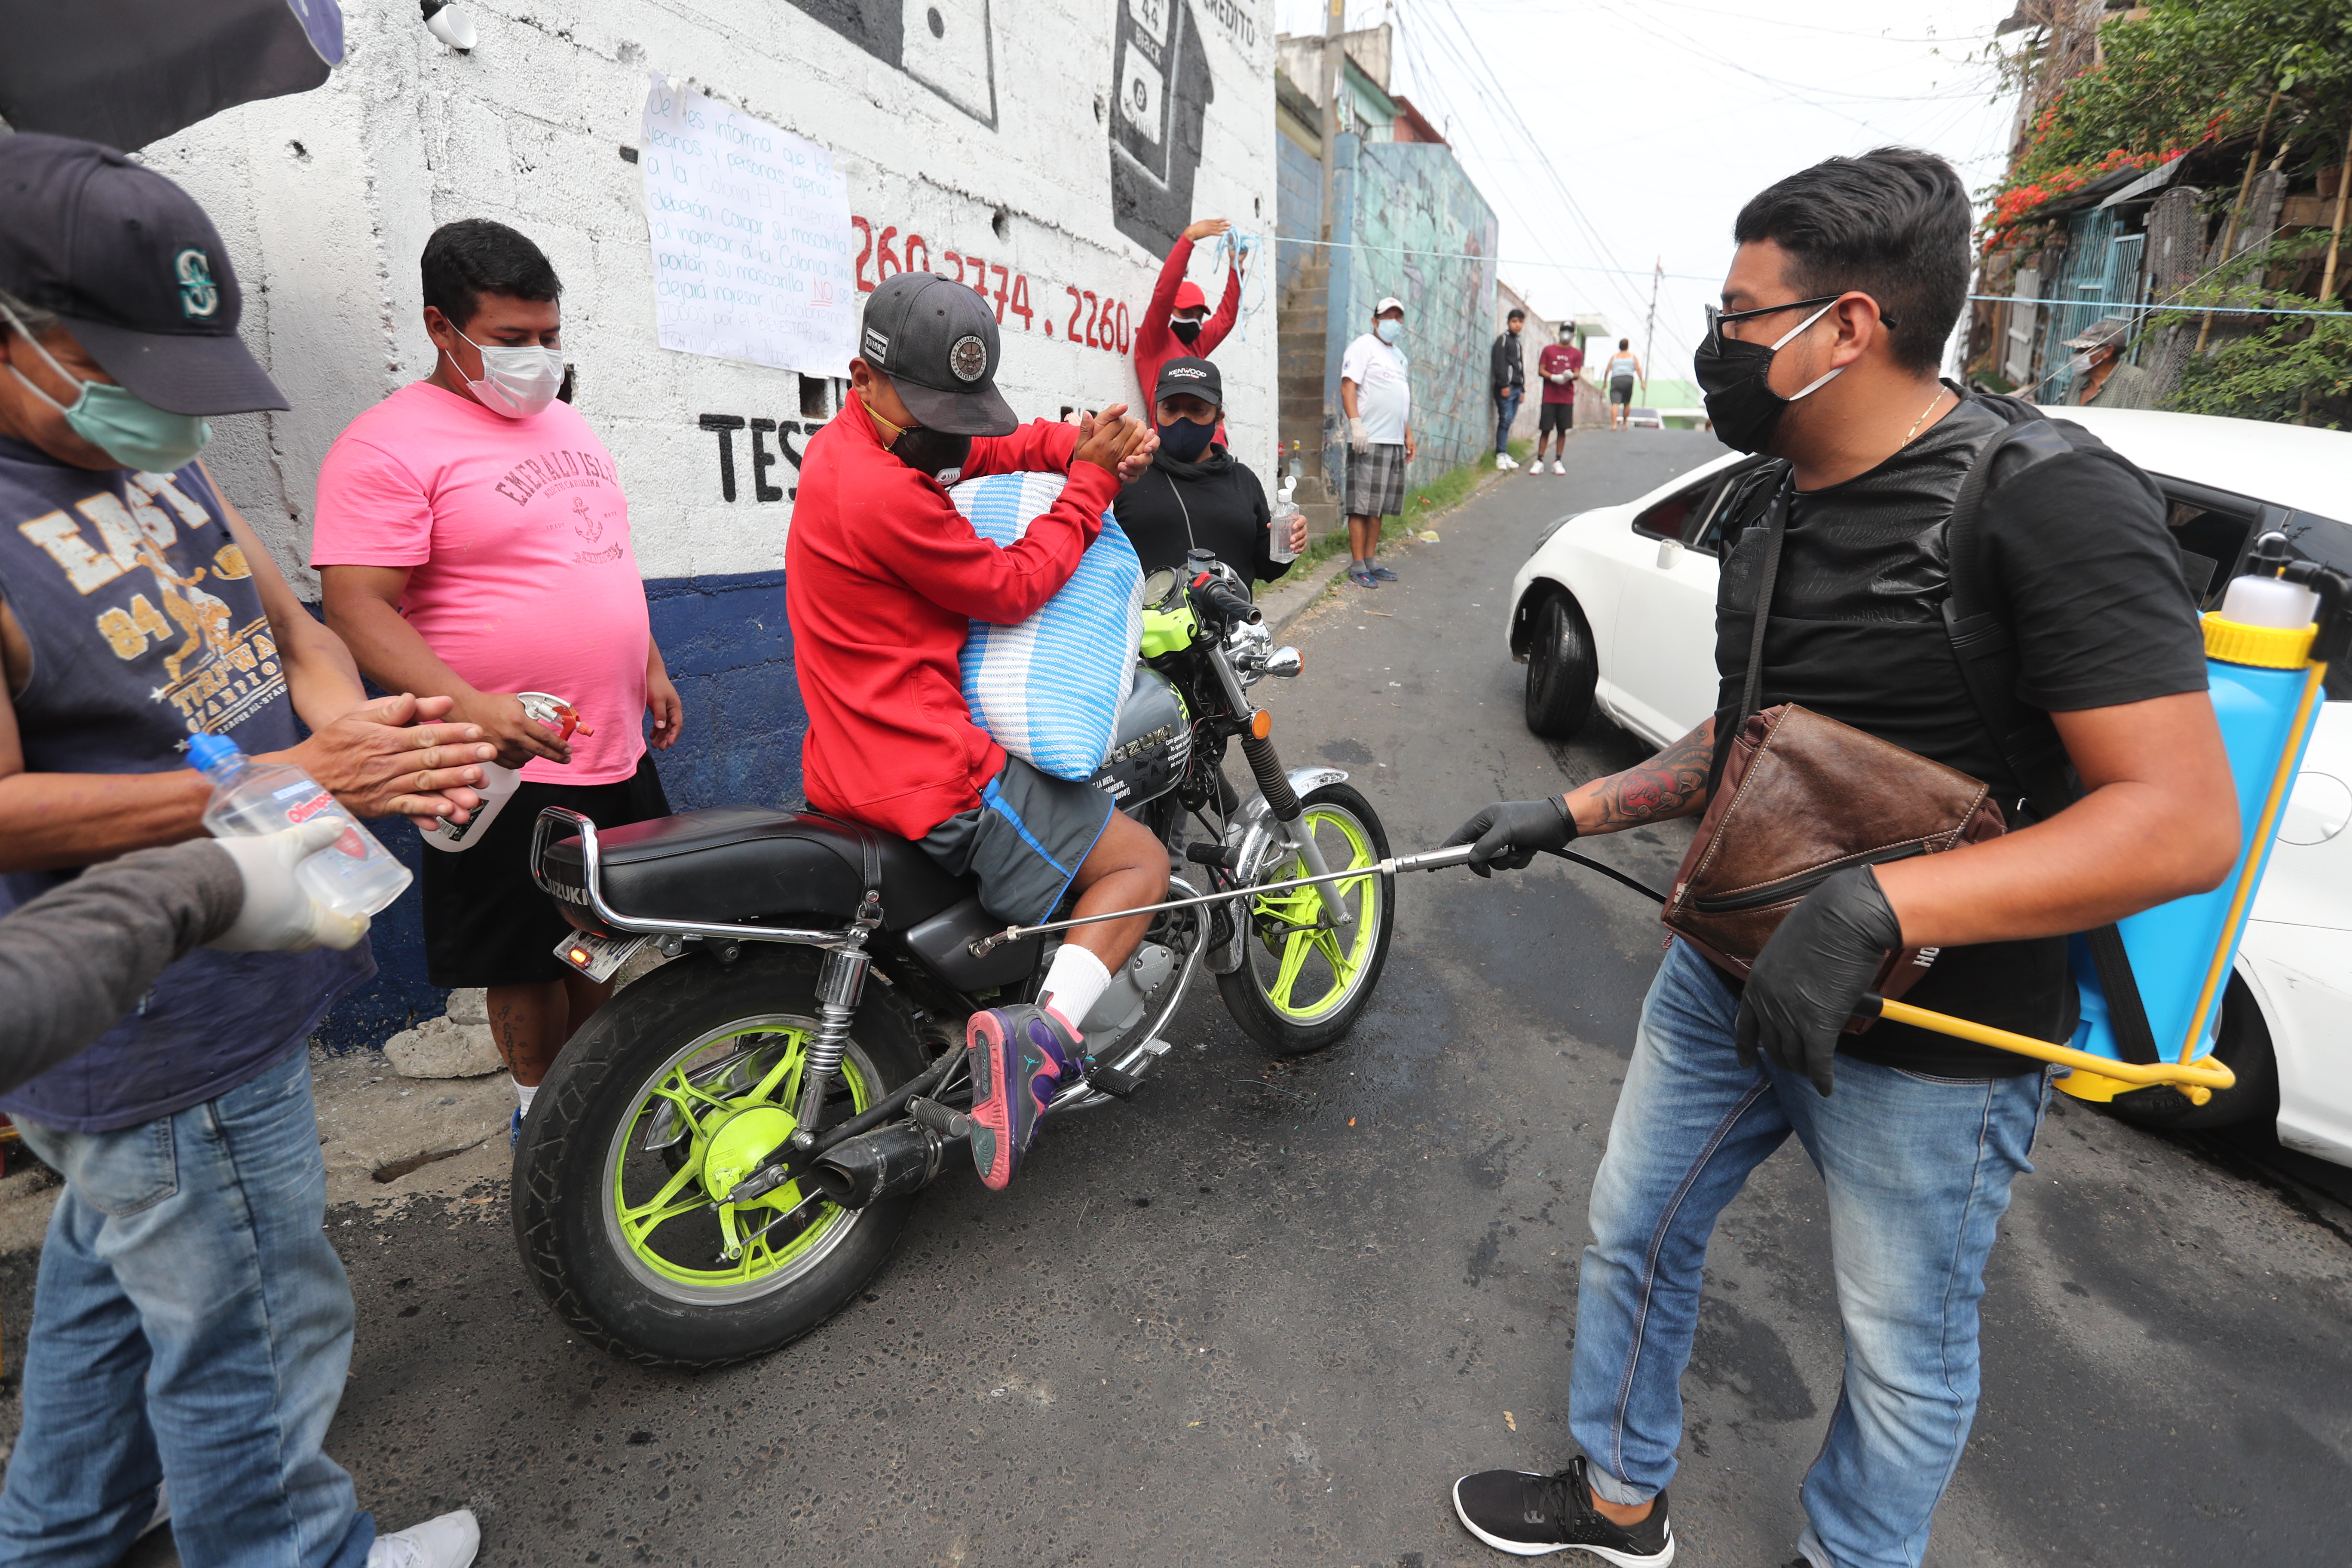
[613, 1210]
[1300, 986]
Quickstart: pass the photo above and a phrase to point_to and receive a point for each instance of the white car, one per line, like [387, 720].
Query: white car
[1615, 610]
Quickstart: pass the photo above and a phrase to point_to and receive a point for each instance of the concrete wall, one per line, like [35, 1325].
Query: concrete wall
[1000, 138]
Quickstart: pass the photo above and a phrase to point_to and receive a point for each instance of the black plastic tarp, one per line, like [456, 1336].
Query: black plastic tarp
[128, 72]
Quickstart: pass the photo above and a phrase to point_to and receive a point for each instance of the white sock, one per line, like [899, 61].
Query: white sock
[1073, 985]
[524, 1092]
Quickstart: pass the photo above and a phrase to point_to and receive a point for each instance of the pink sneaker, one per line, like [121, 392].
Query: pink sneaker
[1019, 1056]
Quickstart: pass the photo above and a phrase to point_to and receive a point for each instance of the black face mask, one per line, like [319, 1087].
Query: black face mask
[1184, 440]
[1735, 376]
[1187, 332]
[932, 452]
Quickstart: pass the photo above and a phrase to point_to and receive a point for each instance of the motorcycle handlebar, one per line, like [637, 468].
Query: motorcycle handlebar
[1227, 600]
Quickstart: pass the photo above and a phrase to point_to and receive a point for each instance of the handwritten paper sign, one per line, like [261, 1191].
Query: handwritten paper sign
[750, 237]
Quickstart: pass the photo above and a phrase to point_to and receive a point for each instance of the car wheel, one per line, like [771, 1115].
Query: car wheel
[2245, 1046]
[1562, 666]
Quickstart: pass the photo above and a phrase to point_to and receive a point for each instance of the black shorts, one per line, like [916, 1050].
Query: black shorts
[1560, 416]
[1024, 841]
[486, 922]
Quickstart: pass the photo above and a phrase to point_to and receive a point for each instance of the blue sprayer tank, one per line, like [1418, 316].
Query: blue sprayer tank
[2265, 688]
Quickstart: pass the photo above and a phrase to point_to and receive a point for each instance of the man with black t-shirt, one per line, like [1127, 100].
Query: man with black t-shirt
[1846, 282]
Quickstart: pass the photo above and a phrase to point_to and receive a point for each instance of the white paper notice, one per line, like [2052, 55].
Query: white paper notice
[750, 238]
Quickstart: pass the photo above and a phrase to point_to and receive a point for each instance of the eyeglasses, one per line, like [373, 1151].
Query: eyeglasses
[1716, 320]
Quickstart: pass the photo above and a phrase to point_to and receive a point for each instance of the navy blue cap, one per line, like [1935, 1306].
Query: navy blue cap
[135, 269]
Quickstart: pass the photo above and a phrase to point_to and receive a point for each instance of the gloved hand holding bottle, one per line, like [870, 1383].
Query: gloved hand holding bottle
[279, 914]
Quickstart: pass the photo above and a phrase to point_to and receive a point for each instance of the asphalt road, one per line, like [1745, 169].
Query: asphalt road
[1266, 1313]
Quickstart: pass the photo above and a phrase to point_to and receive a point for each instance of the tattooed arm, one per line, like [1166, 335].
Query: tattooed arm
[1672, 784]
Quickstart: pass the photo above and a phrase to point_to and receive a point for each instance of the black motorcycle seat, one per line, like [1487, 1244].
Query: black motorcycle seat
[737, 863]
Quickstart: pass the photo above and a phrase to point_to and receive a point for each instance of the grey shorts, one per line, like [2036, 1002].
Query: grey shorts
[1621, 389]
[1024, 840]
[1376, 481]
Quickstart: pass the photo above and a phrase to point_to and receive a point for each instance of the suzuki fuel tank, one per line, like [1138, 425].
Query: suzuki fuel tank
[1151, 746]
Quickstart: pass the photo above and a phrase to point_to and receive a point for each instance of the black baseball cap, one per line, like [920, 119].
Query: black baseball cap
[1197, 376]
[134, 269]
[937, 342]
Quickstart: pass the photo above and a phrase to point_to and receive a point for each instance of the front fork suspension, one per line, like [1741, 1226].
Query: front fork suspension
[1283, 803]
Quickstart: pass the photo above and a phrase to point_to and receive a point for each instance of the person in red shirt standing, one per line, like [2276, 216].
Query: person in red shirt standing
[883, 578]
[1177, 322]
[1559, 364]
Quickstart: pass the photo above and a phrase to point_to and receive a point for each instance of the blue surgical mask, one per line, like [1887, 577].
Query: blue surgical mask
[1389, 331]
[1184, 440]
[135, 434]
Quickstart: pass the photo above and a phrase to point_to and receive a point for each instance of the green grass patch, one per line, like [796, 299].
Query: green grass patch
[1420, 503]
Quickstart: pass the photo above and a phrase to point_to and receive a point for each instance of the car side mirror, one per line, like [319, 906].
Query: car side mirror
[1669, 551]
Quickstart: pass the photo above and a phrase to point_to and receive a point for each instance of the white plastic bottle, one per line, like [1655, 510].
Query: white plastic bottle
[1278, 526]
[500, 781]
[354, 876]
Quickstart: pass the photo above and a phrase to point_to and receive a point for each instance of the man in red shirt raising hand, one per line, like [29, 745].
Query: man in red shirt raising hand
[1177, 322]
[883, 578]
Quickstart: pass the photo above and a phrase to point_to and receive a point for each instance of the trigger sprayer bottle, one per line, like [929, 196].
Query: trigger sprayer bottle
[500, 781]
[354, 876]
[2266, 650]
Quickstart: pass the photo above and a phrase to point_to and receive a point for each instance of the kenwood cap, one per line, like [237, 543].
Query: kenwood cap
[1196, 377]
[134, 269]
[938, 344]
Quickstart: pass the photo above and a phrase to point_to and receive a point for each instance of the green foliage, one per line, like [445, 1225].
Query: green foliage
[2292, 370]
[2191, 70]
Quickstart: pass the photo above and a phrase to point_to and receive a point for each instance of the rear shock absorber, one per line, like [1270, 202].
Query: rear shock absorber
[839, 985]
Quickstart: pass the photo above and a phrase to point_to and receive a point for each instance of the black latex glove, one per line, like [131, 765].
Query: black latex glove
[1809, 975]
[1510, 833]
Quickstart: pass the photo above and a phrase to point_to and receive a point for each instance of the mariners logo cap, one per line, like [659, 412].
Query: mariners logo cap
[1189, 375]
[937, 342]
[135, 269]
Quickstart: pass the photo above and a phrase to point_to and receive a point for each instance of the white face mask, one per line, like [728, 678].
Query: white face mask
[516, 381]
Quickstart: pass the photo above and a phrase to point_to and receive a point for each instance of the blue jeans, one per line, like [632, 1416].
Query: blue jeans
[191, 1324]
[1506, 409]
[1917, 1172]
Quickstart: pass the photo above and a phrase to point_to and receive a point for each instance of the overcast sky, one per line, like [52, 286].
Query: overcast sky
[1661, 117]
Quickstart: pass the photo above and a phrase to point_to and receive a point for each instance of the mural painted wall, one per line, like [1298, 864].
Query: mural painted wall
[1046, 155]
[1418, 230]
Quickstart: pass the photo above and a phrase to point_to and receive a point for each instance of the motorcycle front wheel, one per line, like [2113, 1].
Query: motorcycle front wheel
[657, 1107]
[1304, 980]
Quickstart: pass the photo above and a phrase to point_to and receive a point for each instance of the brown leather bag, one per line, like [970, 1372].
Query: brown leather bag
[1801, 798]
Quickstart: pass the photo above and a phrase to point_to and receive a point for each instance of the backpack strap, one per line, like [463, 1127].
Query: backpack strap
[1986, 655]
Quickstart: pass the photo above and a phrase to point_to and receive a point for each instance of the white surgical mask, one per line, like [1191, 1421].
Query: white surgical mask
[517, 382]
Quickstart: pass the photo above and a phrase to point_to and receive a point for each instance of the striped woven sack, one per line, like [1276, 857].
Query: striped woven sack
[1049, 688]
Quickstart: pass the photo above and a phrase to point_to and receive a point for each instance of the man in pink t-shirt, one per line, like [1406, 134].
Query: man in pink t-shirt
[473, 543]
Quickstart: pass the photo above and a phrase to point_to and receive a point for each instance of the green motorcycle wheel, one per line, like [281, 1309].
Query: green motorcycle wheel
[669, 1096]
[1304, 980]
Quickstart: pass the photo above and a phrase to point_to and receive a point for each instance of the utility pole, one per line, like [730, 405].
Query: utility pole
[1335, 22]
[1650, 333]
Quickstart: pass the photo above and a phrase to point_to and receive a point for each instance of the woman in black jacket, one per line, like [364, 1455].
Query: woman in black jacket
[1196, 495]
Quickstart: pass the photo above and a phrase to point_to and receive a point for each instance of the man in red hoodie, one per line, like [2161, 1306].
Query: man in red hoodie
[883, 577]
[1177, 322]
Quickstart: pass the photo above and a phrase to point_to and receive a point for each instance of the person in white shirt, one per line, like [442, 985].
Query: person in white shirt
[1377, 401]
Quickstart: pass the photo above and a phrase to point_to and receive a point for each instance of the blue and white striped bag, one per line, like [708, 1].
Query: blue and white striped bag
[1049, 688]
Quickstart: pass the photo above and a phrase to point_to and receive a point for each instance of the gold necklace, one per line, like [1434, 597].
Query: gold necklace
[1923, 415]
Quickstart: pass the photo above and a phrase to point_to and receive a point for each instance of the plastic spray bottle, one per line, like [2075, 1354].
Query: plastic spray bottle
[499, 782]
[2264, 658]
[354, 876]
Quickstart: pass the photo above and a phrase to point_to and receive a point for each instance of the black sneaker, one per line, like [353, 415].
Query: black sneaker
[1532, 1516]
